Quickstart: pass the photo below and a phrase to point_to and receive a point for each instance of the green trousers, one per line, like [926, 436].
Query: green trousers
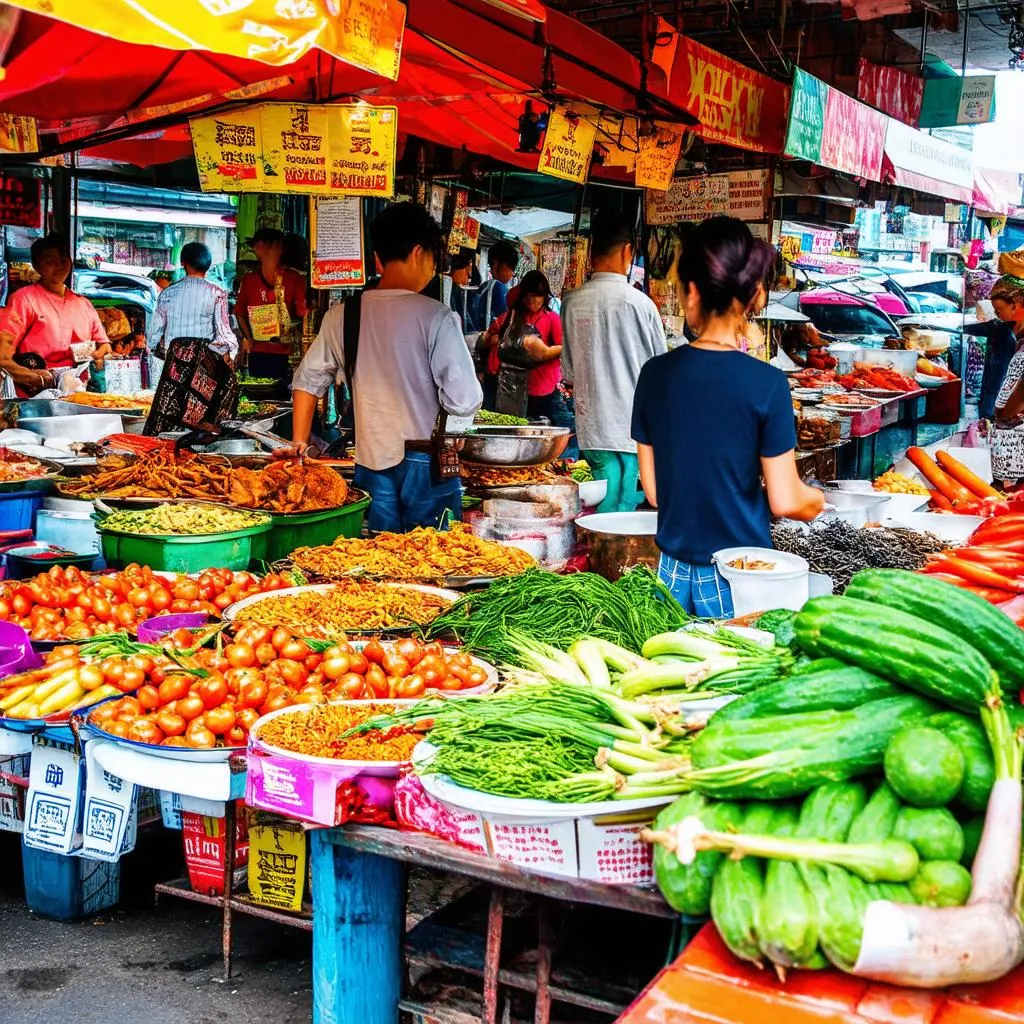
[622, 471]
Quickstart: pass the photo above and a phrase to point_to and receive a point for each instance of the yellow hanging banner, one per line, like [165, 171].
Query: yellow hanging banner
[229, 151]
[568, 145]
[657, 156]
[295, 148]
[365, 33]
[364, 142]
[18, 134]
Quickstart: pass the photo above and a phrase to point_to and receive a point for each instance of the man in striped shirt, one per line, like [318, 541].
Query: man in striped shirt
[197, 388]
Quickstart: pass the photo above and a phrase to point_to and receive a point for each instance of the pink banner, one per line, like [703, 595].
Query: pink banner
[854, 137]
[891, 90]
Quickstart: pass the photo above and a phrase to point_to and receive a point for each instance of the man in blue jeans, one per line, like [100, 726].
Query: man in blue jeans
[411, 362]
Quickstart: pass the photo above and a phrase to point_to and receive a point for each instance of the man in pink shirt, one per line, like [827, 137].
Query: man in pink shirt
[49, 320]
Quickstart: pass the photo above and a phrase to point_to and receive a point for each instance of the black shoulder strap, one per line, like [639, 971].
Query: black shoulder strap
[353, 308]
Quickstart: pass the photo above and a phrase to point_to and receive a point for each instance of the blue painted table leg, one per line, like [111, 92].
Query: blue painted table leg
[358, 925]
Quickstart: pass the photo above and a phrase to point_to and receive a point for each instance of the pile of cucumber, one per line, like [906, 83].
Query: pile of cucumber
[862, 778]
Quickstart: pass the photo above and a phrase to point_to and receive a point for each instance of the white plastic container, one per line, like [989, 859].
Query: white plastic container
[896, 359]
[757, 590]
[954, 529]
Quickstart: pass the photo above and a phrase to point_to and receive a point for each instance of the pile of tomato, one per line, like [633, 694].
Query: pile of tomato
[68, 604]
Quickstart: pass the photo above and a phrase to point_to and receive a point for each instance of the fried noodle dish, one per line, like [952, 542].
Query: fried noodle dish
[319, 732]
[424, 554]
[276, 487]
[15, 466]
[352, 606]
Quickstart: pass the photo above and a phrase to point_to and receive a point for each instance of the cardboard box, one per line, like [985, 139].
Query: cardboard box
[53, 812]
[206, 849]
[549, 848]
[611, 851]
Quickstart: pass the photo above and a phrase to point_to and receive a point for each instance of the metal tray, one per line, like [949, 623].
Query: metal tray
[514, 446]
[35, 483]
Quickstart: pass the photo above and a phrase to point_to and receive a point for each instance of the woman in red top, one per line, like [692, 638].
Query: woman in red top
[530, 323]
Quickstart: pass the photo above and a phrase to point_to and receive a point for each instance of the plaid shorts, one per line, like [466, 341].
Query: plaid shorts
[698, 588]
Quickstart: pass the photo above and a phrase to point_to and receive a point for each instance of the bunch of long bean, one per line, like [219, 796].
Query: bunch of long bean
[560, 610]
[550, 741]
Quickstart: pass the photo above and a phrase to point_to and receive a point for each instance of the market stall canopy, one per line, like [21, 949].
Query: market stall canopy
[917, 160]
[466, 68]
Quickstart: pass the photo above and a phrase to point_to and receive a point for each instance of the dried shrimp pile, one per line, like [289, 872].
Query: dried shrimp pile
[424, 554]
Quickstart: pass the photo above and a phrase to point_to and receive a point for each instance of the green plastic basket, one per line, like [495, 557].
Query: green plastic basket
[173, 553]
[308, 529]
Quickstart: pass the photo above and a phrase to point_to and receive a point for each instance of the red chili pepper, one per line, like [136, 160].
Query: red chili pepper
[981, 575]
[1006, 562]
[940, 502]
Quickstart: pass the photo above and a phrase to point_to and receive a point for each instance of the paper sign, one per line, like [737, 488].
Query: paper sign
[20, 204]
[108, 813]
[370, 34]
[277, 865]
[336, 227]
[18, 134]
[458, 231]
[363, 143]
[54, 803]
[657, 156]
[264, 322]
[568, 145]
[689, 199]
[229, 151]
[295, 147]
[748, 194]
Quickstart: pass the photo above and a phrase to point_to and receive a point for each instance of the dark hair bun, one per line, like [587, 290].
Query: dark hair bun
[725, 263]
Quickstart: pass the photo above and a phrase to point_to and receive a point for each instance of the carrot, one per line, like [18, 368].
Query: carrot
[1009, 563]
[979, 575]
[938, 478]
[959, 472]
[940, 502]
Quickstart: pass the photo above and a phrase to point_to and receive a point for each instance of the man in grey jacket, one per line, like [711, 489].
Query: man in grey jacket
[610, 330]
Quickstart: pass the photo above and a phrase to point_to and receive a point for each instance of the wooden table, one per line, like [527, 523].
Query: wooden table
[359, 917]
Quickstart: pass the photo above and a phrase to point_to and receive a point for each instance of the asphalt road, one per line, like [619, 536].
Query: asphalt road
[140, 965]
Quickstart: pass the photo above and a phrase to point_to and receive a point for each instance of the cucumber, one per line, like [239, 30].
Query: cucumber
[737, 888]
[829, 812]
[840, 745]
[972, 839]
[979, 767]
[842, 900]
[878, 819]
[895, 892]
[687, 887]
[828, 689]
[933, 832]
[899, 647]
[941, 883]
[960, 613]
[787, 920]
[924, 767]
[779, 622]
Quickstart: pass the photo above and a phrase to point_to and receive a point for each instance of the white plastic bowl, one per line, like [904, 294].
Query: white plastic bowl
[946, 526]
[757, 590]
[593, 492]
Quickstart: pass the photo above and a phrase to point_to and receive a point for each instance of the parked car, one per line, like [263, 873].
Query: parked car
[844, 317]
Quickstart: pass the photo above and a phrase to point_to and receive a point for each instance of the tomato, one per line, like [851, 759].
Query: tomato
[412, 686]
[450, 683]
[247, 718]
[461, 672]
[160, 599]
[128, 706]
[240, 655]
[253, 693]
[102, 608]
[411, 650]
[235, 736]
[179, 605]
[175, 741]
[351, 686]
[6, 609]
[124, 615]
[313, 662]
[149, 697]
[275, 703]
[223, 600]
[335, 667]
[280, 637]
[132, 678]
[170, 723]
[143, 730]
[213, 691]
[186, 590]
[476, 676]
[190, 707]
[294, 649]
[254, 635]
[311, 694]
[394, 664]
[198, 736]
[112, 669]
[138, 598]
[116, 728]
[374, 652]
[220, 720]
[377, 680]
[143, 662]
[104, 713]
[433, 669]
[358, 662]
[266, 653]
[174, 687]
[77, 631]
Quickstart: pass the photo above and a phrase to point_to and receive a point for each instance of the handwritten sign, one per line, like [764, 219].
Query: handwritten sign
[748, 194]
[20, 204]
[363, 141]
[18, 134]
[295, 147]
[229, 151]
[742, 194]
[336, 230]
[568, 145]
[657, 156]
[370, 35]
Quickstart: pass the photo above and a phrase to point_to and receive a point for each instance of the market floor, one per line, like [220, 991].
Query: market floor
[138, 965]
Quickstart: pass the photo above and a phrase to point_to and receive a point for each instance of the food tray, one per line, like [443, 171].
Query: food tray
[34, 483]
[231, 612]
[291, 530]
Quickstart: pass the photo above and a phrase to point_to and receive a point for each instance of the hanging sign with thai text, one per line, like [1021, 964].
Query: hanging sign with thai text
[568, 145]
[657, 156]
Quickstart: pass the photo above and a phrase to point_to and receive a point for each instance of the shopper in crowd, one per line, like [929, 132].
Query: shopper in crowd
[197, 388]
[49, 320]
[406, 360]
[703, 470]
[1000, 334]
[524, 352]
[610, 331]
[270, 305]
[1007, 439]
[492, 300]
[456, 292]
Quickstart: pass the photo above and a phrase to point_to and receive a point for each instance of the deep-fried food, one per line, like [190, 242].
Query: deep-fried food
[277, 487]
[425, 555]
[476, 474]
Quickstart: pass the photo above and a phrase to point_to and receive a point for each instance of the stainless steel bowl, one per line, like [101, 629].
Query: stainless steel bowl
[515, 446]
[234, 446]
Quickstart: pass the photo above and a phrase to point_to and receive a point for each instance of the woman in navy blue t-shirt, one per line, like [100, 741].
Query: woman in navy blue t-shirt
[711, 423]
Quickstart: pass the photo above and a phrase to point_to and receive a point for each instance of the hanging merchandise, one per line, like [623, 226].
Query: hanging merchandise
[662, 251]
[555, 254]
[579, 260]
[336, 229]
[657, 156]
[18, 134]
[568, 145]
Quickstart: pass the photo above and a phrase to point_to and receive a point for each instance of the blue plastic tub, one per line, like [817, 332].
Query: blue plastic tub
[18, 509]
[66, 888]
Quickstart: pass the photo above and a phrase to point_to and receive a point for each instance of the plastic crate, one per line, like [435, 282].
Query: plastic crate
[231, 550]
[18, 509]
[65, 888]
[309, 529]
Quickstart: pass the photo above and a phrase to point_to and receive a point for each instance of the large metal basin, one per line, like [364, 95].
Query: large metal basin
[36, 408]
[515, 446]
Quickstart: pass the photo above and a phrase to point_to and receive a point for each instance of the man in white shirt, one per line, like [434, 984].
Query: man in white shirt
[411, 363]
[609, 330]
